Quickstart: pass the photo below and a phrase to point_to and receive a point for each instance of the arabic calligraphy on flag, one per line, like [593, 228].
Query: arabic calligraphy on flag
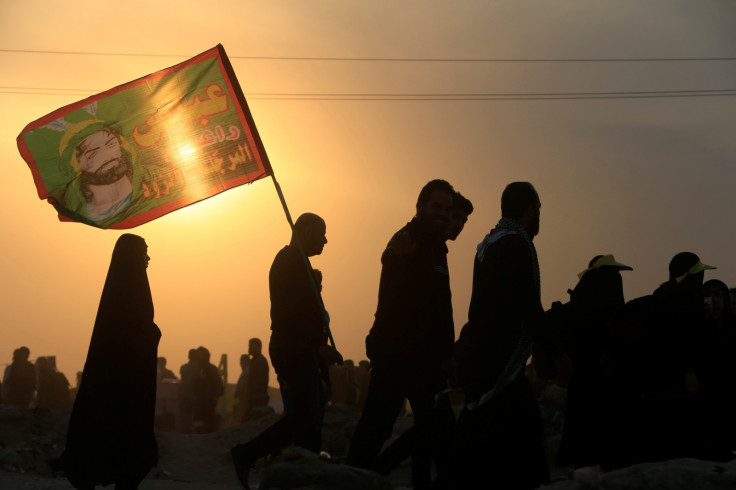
[146, 148]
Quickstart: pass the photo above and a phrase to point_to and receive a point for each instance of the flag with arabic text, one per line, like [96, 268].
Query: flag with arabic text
[151, 146]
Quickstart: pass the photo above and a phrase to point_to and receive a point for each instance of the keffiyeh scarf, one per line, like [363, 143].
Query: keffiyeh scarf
[508, 226]
[522, 350]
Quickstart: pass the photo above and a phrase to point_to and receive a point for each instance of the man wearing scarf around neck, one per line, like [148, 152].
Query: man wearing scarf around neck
[499, 432]
[413, 333]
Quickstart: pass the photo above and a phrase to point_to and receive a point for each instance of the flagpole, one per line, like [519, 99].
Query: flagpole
[238, 92]
[325, 321]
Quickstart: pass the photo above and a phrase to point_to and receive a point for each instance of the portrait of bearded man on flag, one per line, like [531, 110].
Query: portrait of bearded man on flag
[143, 149]
[104, 161]
[104, 179]
[107, 173]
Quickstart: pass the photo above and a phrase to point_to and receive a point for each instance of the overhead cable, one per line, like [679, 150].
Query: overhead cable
[417, 97]
[380, 59]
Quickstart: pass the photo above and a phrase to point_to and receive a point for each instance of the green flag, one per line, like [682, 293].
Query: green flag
[143, 149]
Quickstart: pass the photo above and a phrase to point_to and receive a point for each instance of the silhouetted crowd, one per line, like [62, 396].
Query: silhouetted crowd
[251, 391]
[201, 387]
[41, 385]
[647, 380]
[653, 378]
[650, 379]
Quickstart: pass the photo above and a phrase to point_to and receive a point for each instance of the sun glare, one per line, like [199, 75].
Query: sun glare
[186, 152]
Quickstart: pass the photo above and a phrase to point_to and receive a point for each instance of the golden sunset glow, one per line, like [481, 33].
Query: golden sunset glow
[358, 106]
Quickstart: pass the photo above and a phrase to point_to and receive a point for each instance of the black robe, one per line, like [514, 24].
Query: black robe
[110, 437]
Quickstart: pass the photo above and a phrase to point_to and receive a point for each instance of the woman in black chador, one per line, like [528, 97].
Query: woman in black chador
[110, 437]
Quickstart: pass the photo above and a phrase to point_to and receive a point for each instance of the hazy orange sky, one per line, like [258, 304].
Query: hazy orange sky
[642, 176]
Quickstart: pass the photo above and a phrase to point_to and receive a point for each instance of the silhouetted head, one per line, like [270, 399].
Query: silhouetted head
[434, 206]
[311, 230]
[601, 261]
[126, 293]
[593, 261]
[254, 346]
[688, 271]
[42, 364]
[244, 360]
[161, 362]
[192, 355]
[716, 292]
[600, 289]
[521, 203]
[203, 354]
[461, 209]
[130, 252]
[21, 353]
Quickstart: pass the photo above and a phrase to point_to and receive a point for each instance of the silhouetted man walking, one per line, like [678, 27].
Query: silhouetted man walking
[413, 332]
[298, 343]
[498, 434]
[443, 417]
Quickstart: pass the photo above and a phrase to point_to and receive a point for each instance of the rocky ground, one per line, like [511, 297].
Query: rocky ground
[29, 438]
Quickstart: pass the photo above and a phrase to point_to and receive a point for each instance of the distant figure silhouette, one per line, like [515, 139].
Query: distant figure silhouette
[412, 335]
[297, 349]
[110, 437]
[256, 388]
[364, 379]
[19, 380]
[53, 387]
[499, 432]
[338, 385]
[163, 372]
[208, 388]
[239, 394]
[188, 373]
[252, 388]
[352, 393]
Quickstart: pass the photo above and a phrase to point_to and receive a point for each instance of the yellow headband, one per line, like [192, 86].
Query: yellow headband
[606, 261]
[698, 267]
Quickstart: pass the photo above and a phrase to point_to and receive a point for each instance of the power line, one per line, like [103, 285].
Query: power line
[422, 97]
[54, 89]
[497, 98]
[378, 59]
[515, 96]
[489, 94]
[451, 97]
